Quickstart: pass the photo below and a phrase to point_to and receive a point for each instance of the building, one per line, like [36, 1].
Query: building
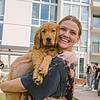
[95, 31]
[19, 19]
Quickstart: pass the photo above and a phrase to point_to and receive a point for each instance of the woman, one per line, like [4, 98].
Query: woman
[59, 77]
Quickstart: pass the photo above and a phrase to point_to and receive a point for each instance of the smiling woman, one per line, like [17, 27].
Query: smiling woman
[70, 31]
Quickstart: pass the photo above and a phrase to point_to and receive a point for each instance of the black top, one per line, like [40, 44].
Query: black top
[53, 83]
[97, 71]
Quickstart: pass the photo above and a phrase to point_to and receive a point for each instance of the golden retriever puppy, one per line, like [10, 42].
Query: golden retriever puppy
[46, 38]
[38, 58]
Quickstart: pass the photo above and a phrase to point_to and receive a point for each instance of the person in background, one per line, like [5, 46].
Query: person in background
[58, 83]
[93, 77]
[99, 81]
[89, 73]
[1, 67]
[96, 78]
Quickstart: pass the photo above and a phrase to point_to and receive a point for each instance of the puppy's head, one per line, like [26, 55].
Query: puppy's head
[47, 35]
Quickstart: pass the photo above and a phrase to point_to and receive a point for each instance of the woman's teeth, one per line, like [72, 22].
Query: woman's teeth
[64, 39]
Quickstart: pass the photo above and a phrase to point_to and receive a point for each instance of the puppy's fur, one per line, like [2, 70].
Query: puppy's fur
[38, 58]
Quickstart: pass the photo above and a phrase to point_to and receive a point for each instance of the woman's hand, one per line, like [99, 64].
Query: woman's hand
[14, 85]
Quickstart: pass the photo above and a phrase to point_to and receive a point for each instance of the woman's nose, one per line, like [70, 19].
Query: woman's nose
[67, 33]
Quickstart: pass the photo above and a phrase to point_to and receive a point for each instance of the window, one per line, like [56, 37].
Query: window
[96, 47]
[33, 30]
[45, 0]
[84, 24]
[83, 49]
[85, 1]
[83, 41]
[70, 8]
[96, 21]
[43, 11]
[54, 1]
[67, 0]
[1, 27]
[84, 38]
[66, 10]
[1, 9]
[53, 13]
[76, 0]
[96, 43]
[35, 12]
[84, 13]
[76, 10]
[36, 0]
[1, 18]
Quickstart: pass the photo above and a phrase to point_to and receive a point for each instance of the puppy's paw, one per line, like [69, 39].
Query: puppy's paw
[38, 80]
[43, 71]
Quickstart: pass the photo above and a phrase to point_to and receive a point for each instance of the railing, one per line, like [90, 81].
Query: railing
[96, 22]
[95, 47]
[96, 0]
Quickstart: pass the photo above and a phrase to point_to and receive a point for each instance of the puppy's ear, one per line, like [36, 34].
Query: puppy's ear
[57, 34]
[37, 39]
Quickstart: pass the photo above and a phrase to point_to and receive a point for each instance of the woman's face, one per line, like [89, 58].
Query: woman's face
[68, 35]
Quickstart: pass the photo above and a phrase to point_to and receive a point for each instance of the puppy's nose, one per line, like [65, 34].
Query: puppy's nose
[48, 39]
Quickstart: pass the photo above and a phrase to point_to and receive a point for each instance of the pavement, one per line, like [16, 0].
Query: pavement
[83, 93]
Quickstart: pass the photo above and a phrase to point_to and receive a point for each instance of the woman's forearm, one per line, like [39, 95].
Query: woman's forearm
[12, 86]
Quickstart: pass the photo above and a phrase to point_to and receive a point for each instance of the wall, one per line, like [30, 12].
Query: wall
[17, 22]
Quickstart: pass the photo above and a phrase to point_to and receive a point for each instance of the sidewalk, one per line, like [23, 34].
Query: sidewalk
[82, 93]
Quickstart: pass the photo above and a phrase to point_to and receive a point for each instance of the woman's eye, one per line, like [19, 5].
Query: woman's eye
[73, 33]
[63, 29]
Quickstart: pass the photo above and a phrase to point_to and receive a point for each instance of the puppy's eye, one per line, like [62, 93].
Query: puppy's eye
[43, 31]
[53, 31]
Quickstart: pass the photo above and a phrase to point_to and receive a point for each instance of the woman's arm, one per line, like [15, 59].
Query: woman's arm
[49, 86]
[14, 85]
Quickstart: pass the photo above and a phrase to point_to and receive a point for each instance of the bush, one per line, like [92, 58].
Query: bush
[2, 96]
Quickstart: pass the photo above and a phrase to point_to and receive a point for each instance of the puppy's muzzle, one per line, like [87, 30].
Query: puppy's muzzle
[48, 40]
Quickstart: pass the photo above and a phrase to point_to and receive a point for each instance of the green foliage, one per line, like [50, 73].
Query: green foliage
[2, 96]
[74, 98]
